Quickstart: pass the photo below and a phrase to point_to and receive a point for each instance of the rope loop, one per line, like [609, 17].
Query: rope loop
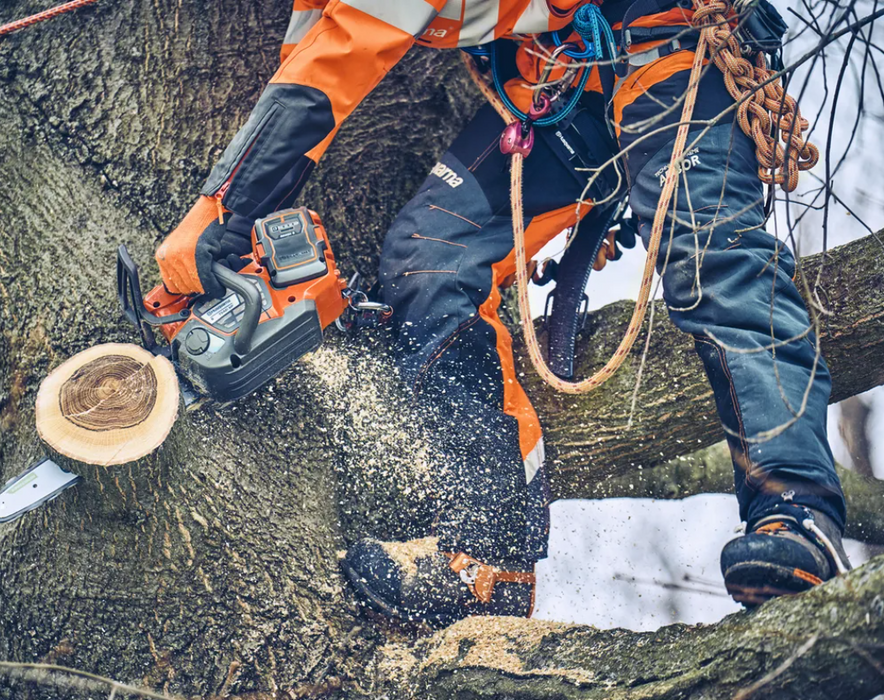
[763, 109]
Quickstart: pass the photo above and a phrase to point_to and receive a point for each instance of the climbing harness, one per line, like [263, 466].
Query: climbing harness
[598, 42]
[758, 96]
[43, 16]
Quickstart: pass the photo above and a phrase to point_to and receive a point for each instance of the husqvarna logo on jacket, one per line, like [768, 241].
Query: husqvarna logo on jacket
[447, 174]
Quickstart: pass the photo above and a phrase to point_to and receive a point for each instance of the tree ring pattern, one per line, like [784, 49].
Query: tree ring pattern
[110, 393]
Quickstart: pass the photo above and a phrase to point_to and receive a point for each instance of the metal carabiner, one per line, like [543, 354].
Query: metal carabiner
[362, 312]
[551, 63]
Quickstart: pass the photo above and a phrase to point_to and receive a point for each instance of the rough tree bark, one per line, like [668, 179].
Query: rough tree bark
[216, 575]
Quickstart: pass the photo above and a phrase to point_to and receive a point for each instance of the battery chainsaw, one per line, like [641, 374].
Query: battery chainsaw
[274, 310]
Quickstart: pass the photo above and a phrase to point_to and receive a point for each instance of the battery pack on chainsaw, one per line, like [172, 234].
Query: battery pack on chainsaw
[274, 311]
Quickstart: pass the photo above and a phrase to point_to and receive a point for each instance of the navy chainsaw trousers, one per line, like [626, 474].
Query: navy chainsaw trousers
[443, 261]
[726, 282]
[729, 283]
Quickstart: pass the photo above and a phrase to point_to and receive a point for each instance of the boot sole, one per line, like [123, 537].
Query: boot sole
[380, 605]
[755, 582]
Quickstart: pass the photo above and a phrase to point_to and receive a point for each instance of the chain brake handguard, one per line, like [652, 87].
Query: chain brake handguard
[132, 302]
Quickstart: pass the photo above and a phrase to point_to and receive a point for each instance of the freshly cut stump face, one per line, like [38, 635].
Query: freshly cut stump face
[110, 404]
[109, 392]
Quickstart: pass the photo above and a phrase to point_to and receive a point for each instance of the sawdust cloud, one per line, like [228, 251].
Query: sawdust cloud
[385, 459]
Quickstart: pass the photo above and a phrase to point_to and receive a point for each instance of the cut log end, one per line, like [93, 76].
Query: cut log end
[110, 404]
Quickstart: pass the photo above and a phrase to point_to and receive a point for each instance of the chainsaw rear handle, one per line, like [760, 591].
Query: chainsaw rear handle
[252, 297]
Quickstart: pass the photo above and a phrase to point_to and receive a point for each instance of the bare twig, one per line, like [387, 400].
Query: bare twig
[115, 686]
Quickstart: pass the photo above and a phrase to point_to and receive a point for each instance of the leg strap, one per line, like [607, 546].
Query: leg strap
[480, 577]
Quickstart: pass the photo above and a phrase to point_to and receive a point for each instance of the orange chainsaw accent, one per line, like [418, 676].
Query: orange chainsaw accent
[325, 291]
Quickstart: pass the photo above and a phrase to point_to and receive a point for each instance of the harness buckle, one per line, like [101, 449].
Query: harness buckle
[470, 573]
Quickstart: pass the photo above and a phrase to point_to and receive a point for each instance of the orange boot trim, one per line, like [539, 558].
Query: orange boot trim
[481, 577]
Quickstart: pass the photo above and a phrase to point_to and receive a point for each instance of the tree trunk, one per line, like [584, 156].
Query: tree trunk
[822, 644]
[214, 573]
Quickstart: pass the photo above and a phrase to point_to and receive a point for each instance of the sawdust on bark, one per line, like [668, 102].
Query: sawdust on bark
[502, 643]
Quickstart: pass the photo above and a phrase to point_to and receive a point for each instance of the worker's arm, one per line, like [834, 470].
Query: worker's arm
[339, 60]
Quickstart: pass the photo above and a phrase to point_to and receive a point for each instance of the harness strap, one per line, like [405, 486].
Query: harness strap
[480, 578]
[641, 8]
[638, 35]
[634, 61]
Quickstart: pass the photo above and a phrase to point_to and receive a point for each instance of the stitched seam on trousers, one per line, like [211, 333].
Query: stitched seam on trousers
[438, 240]
[464, 324]
[483, 155]
[447, 343]
[463, 218]
[734, 401]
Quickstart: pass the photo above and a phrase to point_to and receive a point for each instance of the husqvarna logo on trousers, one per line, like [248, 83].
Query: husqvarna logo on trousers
[447, 174]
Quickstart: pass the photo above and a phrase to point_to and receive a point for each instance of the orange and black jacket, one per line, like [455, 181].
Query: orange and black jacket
[335, 53]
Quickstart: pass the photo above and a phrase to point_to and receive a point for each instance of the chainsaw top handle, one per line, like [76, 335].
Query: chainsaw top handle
[252, 313]
[132, 302]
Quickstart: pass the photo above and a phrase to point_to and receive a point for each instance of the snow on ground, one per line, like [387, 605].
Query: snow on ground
[608, 559]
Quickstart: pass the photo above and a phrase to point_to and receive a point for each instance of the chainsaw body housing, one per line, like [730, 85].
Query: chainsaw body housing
[274, 311]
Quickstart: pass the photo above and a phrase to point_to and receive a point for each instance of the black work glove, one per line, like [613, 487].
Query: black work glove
[224, 243]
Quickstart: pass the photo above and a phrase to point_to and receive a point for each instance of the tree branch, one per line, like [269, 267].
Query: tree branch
[821, 645]
[710, 471]
[587, 435]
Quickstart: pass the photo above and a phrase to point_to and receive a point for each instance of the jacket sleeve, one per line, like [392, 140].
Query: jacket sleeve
[340, 59]
[305, 15]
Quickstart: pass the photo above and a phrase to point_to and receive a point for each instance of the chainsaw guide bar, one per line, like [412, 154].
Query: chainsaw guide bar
[40, 483]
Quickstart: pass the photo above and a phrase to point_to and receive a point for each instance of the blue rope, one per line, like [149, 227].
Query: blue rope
[590, 24]
[489, 50]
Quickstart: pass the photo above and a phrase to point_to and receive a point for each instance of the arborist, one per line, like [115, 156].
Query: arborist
[726, 281]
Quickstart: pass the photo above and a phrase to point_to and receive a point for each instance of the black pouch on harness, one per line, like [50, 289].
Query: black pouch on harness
[761, 30]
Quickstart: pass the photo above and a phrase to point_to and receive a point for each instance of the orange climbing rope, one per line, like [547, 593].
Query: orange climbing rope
[776, 165]
[43, 16]
[759, 108]
[638, 314]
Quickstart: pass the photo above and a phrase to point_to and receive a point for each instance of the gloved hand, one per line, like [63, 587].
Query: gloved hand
[615, 240]
[186, 256]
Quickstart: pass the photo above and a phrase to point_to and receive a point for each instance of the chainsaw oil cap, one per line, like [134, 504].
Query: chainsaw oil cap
[197, 341]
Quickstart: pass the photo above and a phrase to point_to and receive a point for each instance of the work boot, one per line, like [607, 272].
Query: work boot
[790, 550]
[414, 581]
